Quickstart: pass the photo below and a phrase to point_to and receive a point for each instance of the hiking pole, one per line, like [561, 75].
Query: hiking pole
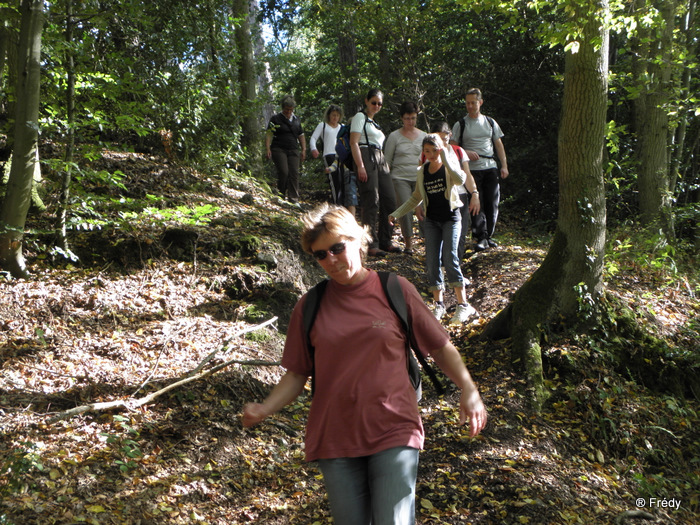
[330, 179]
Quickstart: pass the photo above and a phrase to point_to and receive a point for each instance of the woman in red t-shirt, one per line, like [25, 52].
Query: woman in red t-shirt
[364, 427]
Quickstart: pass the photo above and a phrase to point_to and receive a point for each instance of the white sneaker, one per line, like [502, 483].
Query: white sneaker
[439, 311]
[463, 314]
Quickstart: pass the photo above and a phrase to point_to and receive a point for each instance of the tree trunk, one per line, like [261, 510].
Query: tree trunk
[13, 215]
[4, 44]
[687, 30]
[569, 282]
[347, 53]
[251, 134]
[652, 122]
[9, 35]
[61, 234]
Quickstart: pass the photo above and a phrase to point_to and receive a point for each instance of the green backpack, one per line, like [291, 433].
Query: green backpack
[394, 293]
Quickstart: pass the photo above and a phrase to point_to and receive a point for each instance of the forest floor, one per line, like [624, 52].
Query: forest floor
[187, 288]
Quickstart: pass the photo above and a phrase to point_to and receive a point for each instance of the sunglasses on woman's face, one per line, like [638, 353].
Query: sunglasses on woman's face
[377, 103]
[336, 249]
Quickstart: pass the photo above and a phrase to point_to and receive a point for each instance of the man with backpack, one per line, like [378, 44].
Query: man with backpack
[480, 136]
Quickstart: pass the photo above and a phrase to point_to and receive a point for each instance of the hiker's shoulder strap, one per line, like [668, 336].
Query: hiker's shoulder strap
[394, 294]
[493, 129]
[462, 125]
[364, 127]
[397, 301]
[311, 306]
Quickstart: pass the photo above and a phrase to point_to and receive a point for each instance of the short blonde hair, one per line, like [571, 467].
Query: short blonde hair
[336, 220]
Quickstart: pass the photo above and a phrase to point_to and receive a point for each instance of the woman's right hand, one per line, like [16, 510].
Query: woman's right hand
[314, 153]
[362, 174]
[253, 413]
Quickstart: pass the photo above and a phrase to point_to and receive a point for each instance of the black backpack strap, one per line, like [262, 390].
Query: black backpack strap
[311, 306]
[493, 130]
[394, 294]
[462, 125]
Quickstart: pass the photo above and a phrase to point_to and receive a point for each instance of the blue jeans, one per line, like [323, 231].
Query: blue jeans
[441, 244]
[350, 184]
[466, 225]
[373, 490]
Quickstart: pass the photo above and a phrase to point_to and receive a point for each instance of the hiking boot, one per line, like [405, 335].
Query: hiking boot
[482, 245]
[439, 311]
[492, 243]
[463, 314]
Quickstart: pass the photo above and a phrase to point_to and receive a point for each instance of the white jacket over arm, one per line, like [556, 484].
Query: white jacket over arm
[454, 178]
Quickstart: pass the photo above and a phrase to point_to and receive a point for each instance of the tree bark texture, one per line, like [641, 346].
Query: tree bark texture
[251, 133]
[8, 72]
[13, 215]
[347, 52]
[572, 270]
[651, 119]
[62, 213]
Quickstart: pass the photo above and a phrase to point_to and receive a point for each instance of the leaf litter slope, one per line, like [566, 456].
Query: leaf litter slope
[120, 330]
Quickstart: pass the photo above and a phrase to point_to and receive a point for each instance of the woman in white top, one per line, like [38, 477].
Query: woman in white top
[377, 196]
[402, 150]
[327, 131]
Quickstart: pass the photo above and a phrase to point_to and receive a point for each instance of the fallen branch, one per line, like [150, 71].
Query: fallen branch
[170, 337]
[227, 343]
[196, 374]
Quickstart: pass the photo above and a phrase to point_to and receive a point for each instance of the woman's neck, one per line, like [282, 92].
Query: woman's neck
[435, 165]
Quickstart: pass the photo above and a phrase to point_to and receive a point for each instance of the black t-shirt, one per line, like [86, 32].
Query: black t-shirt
[435, 187]
[285, 133]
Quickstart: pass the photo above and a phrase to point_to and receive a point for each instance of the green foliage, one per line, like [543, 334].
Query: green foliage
[181, 215]
[587, 304]
[257, 312]
[125, 443]
[258, 336]
[21, 461]
[155, 66]
[636, 248]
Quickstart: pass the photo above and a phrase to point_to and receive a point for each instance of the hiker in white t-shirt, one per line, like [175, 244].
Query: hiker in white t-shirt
[326, 132]
[480, 136]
